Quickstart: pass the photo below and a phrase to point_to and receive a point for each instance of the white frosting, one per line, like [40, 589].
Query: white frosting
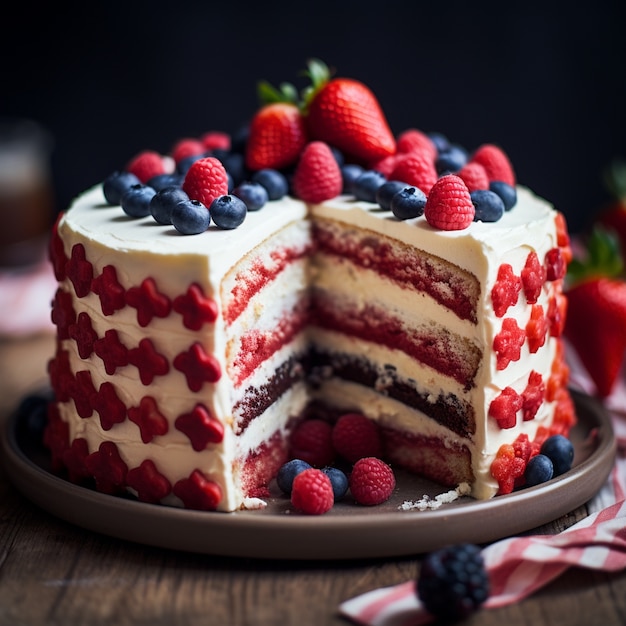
[141, 248]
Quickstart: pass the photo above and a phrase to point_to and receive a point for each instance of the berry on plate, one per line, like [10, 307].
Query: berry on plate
[312, 492]
[372, 481]
[288, 472]
[354, 437]
[311, 441]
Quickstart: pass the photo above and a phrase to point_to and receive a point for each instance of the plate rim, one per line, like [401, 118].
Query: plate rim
[364, 534]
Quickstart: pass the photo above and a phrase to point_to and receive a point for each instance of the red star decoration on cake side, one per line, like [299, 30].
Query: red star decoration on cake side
[112, 351]
[74, 460]
[83, 334]
[195, 308]
[148, 302]
[151, 486]
[504, 407]
[83, 392]
[109, 407]
[79, 271]
[148, 361]
[61, 377]
[533, 277]
[198, 492]
[56, 251]
[201, 427]
[533, 395]
[505, 291]
[555, 265]
[536, 328]
[107, 468]
[152, 423]
[508, 343]
[112, 295]
[63, 314]
[198, 367]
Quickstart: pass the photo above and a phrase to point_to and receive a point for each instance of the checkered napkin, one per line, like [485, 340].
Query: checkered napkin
[519, 566]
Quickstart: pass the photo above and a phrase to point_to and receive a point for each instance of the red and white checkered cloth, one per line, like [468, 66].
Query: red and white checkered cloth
[519, 566]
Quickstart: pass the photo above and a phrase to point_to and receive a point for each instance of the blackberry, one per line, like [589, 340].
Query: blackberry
[453, 582]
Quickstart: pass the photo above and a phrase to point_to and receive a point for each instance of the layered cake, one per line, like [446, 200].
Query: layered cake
[184, 363]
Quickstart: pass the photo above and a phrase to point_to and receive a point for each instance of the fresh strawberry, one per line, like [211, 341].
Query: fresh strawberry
[277, 131]
[317, 176]
[345, 113]
[596, 313]
[496, 163]
[449, 206]
[206, 180]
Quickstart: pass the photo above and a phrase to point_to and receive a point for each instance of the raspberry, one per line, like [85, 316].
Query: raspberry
[386, 165]
[495, 162]
[354, 437]
[216, 140]
[187, 147]
[533, 277]
[449, 206]
[146, 165]
[312, 492]
[206, 180]
[417, 169]
[536, 328]
[453, 582]
[317, 176]
[505, 290]
[311, 441]
[504, 407]
[474, 176]
[372, 481]
[508, 343]
[415, 140]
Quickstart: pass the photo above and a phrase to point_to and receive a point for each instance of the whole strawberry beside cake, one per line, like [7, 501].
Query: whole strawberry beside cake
[212, 300]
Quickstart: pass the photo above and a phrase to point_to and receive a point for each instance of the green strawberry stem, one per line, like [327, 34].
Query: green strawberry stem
[268, 94]
[319, 74]
[603, 258]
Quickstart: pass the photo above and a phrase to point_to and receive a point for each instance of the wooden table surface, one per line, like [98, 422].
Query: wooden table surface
[52, 572]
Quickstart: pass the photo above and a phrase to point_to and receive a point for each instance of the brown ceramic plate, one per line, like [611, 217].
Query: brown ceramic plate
[348, 531]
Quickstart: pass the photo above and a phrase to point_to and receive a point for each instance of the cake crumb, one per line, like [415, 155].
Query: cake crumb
[253, 504]
[428, 503]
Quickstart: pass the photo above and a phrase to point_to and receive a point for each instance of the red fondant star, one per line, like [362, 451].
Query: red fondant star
[536, 328]
[74, 460]
[107, 468]
[195, 308]
[504, 407]
[111, 293]
[61, 377]
[63, 314]
[555, 265]
[83, 392]
[109, 407]
[79, 271]
[505, 290]
[152, 423]
[112, 351]
[201, 427]
[148, 302]
[198, 492]
[56, 252]
[533, 277]
[83, 334]
[148, 361]
[198, 367]
[507, 344]
[150, 485]
[533, 396]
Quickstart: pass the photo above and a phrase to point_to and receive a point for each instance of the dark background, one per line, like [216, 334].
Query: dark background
[107, 80]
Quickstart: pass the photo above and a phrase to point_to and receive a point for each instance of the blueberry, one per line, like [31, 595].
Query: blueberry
[254, 195]
[349, 174]
[32, 414]
[538, 470]
[234, 164]
[338, 156]
[367, 184]
[560, 451]
[182, 167]
[117, 184]
[489, 206]
[274, 182]
[228, 211]
[164, 201]
[386, 191]
[338, 480]
[136, 201]
[408, 202]
[162, 181]
[190, 217]
[440, 140]
[288, 472]
[451, 160]
[506, 192]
